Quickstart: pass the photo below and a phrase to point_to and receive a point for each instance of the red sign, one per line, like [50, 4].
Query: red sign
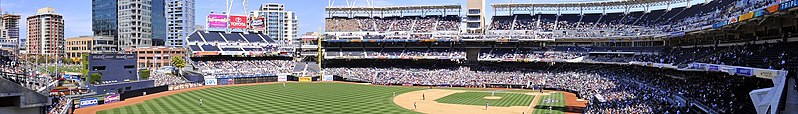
[238, 22]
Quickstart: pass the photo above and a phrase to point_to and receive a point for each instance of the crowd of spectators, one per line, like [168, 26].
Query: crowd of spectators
[60, 105]
[244, 67]
[407, 23]
[634, 23]
[779, 56]
[626, 89]
[184, 86]
[27, 75]
[166, 79]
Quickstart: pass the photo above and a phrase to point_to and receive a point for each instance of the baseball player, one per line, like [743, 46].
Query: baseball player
[486, 105]
[414, 105]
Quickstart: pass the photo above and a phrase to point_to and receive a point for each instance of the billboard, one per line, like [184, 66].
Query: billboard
[746, 16]
[217, 21]
[257, 23]
[210, 81]
[788, 5]
[327, 78]
[282, 78]
[305, 79]
[88, 102]
[111, 98]
[713, 68]
[238, 22]
[764, 73]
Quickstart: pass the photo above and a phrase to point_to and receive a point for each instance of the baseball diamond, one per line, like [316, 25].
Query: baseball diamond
[476, 98]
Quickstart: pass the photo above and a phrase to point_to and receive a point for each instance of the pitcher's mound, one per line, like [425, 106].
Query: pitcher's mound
[492, 97]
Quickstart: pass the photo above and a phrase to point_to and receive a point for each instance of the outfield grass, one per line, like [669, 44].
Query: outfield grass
[296, 98]
[556, 101]
[476, 98]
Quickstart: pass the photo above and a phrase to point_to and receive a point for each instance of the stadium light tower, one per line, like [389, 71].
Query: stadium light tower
[351, 3]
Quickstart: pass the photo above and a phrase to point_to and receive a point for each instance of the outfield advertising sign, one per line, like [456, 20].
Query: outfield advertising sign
[210, 80]
[111, 98]
[85, 102]
[217, 21]
[305, 79]
[238, 22]
[327, 78]
[282, 78]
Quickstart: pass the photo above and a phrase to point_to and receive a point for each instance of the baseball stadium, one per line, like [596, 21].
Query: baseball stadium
[451, 57]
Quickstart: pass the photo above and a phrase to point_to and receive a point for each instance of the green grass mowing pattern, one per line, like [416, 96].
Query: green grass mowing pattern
[556, 101]
[476, 98]
[296, 98]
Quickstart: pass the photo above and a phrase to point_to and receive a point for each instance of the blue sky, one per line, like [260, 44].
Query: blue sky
[77, 13]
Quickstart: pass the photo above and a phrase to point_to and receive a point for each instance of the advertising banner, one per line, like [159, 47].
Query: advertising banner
[773, 8]
[111, 98]
[211, 81]
[327, 78]
[744, 71]
[206, 53]
[238, 22]
[760, 13]
[257, 23]
[282, 78]
[788, 5]
[728, 69]
[217, 21]
[713, 68]
[719, 24]
[763, 73]
[222, 81]
[85, 102]
[746, 16]
[305, 79]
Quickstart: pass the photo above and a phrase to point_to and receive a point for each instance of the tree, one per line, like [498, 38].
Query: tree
[67, 60]
[144, 74]
[96, 78]
[178, 63]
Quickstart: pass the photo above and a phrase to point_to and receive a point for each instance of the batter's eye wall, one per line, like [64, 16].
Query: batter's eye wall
[114, 67]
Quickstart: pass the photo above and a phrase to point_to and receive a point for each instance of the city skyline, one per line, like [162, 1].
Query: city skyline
[78, 19]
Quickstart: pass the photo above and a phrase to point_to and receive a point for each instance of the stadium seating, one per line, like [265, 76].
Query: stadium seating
[406, 23]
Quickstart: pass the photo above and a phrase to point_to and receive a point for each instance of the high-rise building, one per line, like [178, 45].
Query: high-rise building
[103, 17]
[9, 32]
[180, 21]
[279, 23]
[77, 46]
[158, 22]
[134, 23]
[46, 34]
[475, 17]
